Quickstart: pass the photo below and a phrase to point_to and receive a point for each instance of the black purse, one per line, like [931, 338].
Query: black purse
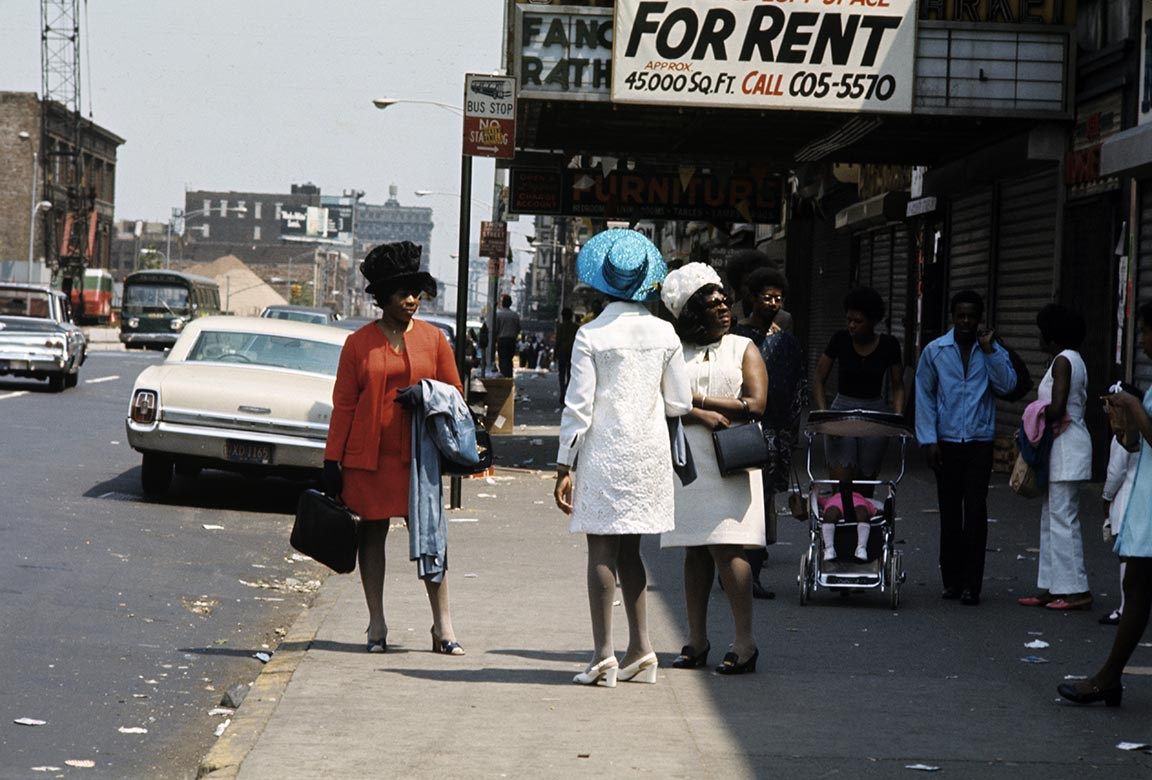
[483, 449]
[740, 447]
[325, 530]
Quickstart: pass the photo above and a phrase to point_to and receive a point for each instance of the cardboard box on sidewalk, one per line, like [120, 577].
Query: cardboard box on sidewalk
[500, 418]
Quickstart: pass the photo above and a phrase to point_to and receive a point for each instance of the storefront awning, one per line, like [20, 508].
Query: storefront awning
[1128, 152]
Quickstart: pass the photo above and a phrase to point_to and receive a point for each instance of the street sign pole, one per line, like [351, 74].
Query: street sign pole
[489, 130]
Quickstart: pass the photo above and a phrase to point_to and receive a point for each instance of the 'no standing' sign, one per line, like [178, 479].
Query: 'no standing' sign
[489, 116]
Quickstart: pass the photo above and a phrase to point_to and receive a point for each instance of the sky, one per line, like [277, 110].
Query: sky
[260, 94]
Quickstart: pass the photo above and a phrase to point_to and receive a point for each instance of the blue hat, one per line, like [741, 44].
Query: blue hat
[621, 263]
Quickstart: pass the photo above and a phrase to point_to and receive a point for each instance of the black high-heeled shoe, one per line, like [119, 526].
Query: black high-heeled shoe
[1089, 693]
[733, 665]
[690, 659]
[445, 646]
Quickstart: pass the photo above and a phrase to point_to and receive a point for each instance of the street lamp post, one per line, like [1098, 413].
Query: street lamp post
[178, 213]
[37, 205]
[454, 500]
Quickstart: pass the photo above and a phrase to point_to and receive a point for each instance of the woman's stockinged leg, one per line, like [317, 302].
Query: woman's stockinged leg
[1133, 621]
[603, 552]
[699, 573]
[441, 614]
[634, 589]
[370, 554]
[736, 576]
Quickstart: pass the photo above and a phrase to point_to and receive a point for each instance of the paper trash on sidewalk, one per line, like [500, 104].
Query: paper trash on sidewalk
[463, 519]
[220, 729]
[46, 768]
[29, 722]
[923, 767]
[132, 730]
[81, 763]
[1036, 644]
[485, 495]
[1141, 746]
[262, 657]
[1034, 659]
[210, 527]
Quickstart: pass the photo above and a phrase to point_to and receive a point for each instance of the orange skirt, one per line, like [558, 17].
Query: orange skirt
[379, 494]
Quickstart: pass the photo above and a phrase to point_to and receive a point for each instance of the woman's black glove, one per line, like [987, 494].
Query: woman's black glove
[332, 480]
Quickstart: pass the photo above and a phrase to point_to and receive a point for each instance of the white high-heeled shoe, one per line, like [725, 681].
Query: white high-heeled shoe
[602, 673]
[641, 671]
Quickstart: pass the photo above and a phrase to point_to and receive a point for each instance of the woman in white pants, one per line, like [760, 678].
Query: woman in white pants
[1062, 580]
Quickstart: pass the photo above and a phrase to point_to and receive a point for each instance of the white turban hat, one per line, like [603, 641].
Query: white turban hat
[682, 283]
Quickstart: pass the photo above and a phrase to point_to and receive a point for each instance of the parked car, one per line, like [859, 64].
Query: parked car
[245, 394]
[315, 314]
[446, 326]
[37, 336]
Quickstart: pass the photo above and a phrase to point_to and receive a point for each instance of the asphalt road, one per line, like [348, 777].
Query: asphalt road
[120, 613]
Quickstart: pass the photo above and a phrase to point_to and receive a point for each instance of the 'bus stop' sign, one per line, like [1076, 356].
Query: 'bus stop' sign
[489, 116]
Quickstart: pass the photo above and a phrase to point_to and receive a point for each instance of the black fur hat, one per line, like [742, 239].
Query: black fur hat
[389, 267]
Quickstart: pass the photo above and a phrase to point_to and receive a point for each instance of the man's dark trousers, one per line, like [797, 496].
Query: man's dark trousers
[962, 489]
[505, 349]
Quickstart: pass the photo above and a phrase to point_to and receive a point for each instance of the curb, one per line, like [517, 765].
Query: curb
[222, 761]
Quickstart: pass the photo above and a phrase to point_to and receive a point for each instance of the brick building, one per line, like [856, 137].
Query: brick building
[37, 145]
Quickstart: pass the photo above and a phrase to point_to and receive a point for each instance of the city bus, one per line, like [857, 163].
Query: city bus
[92, 299]
[156, 305]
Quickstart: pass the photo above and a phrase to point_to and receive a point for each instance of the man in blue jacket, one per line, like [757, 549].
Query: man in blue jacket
[955, 425]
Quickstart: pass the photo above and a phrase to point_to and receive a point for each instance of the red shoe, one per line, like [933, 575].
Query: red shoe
[1039, 600]
[1066, 603]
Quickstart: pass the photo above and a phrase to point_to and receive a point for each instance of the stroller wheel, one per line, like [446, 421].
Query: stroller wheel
[895, 575]
[803, 579]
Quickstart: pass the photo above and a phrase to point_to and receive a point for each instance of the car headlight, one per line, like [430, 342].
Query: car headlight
[134, 322]
[143, 408]
[177, 324]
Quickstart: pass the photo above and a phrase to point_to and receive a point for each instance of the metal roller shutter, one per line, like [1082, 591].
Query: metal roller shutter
[898, 293]
[863, 275]
[882, 270]
[1025, 249]
[1142, 365]
[970, 243]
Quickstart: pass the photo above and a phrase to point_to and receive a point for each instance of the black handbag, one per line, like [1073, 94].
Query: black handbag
[325, 530]
[740, 447]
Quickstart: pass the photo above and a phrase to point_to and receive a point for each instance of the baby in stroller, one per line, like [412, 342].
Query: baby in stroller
[832, 512]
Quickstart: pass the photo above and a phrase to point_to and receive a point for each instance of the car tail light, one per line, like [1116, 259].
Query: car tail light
[144, 407]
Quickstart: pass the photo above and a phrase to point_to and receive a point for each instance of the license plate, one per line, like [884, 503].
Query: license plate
[15, 365]
[248, 452]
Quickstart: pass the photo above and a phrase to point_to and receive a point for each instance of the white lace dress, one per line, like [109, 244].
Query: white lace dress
[716, 509]
[627, 377]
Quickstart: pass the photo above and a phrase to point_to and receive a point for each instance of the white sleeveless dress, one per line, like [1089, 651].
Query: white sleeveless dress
[1071, 458]
[716, 509]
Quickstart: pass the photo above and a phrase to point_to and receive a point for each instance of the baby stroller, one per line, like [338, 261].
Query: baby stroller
[883, 570]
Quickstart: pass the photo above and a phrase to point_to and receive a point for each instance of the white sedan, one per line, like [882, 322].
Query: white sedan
[244, 394]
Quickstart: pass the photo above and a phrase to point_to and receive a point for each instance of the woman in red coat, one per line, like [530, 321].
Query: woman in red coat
[367, 459]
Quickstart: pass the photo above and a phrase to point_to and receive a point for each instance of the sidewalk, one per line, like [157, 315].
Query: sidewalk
[845, 687]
